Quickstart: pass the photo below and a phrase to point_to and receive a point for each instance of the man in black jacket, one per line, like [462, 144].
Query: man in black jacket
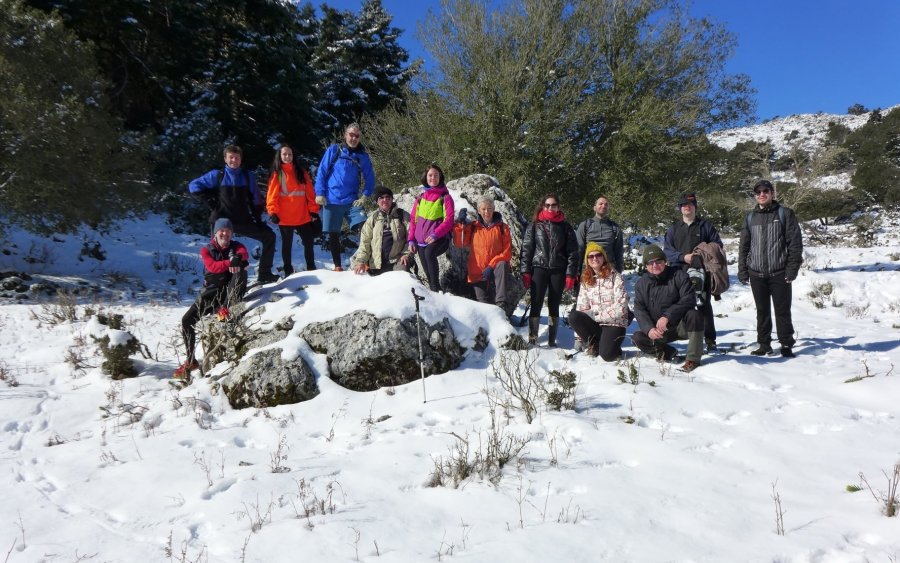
[771, 251]
[664, 309]
[681, 239]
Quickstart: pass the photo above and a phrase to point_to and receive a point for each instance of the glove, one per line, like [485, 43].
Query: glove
[696, 262]
[236, 261]
[487, 273]
[313, 216]
[223, 314]
[274, 218]
[526, 280]
[570, 283]
[412, 248]
[361, 202]
[320, 200]
[462, 217]
[744, 280]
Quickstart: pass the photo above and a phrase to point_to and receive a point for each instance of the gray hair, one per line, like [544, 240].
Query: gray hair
[486, 199]
[353, 125]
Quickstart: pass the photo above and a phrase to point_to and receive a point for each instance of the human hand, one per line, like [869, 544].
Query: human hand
[662, 324]
[223, 314]
[412, 248]
[273, 217]
[526, 280]
[361, 269]
[688, 257]
[361, 202]
[570, 283]
[429, 239]
[320, 200]
[655, 334]
[236, 261]
[462, 217]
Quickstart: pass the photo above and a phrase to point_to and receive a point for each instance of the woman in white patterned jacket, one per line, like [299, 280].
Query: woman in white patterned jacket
[601, 314]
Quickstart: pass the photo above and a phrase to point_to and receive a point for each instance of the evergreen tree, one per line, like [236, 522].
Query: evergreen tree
[876, 150]
[63, 159]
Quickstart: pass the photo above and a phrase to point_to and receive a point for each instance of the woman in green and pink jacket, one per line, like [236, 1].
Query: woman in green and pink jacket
[431, 224]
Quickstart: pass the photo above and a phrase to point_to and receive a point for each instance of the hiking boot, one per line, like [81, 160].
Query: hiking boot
[533, 323]
[185, 369]
[711, 347]
[288, 270]
[592, 350]
[579, 345]
[666, 354]
[552, 328]
[786, 352]
[267, 277]
[763, 350]
[689, 366]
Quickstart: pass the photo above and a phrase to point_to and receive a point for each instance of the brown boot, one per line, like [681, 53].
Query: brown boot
[551, 334]
[533, 323]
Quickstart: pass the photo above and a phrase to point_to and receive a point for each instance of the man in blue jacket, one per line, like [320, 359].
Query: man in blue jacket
[681, 239]
[232, 193]
[337, 185]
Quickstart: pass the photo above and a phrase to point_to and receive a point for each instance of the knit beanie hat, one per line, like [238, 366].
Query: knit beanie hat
[653, 252]
[382, 190]
[223, 223]
[594, 247]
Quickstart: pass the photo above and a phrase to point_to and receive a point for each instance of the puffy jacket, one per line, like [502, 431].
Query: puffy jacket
[607, 234]
[488, 244]
[230, 193]
[291, 199]
[682, 239]
[669, 294]
[217, 260]
[341, 186]
[606, 301]
[372, 235]
[551, 245]
[432, 214]
[767, 247]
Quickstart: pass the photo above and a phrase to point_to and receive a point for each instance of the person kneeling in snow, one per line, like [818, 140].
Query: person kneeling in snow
[382, 240]
[225, 282]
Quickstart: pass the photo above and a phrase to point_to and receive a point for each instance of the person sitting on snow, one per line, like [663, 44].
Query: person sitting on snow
[224, 283]
[382, 240]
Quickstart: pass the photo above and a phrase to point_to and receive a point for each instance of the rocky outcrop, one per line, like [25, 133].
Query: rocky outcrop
[366, 353]
[266, 380]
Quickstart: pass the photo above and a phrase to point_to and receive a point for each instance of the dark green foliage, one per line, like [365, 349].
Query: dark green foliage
[561, 394]
[837, 134]
[64, 159]
[828, 203]
[875, 148]
[857, 109]
[116, 358]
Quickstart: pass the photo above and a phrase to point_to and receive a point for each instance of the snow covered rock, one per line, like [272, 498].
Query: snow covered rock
[266, 380]
[366, 353]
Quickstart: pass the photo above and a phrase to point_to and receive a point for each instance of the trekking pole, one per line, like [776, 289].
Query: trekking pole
[418, 298]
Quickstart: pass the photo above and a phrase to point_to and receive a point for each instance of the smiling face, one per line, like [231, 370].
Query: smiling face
[287, 155]
[595, 260]
[385, 202]
[433, 177]
[764, 195]
[486, 211]
[352, 136]
[601, 207]
[223, 237]
[233, 160]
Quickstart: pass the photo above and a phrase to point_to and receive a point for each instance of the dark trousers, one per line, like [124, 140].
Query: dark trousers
[334, 245]
[769, 292]
[550, 283]
[307, 237]
[497, 283]
[262, 233]
[607, 339]
[690, 328]
[709, 324]
[397, 267]
[428, 257]
[208, 301]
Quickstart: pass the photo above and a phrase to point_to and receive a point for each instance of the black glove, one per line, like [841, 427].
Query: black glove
[462, 217]
[313, 216]
[274, 218]
[696, 262]
[236, 261]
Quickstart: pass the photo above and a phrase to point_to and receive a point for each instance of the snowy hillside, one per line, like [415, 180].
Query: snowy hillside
[652, 465]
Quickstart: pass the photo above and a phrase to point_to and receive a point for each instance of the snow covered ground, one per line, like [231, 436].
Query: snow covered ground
[683, 469]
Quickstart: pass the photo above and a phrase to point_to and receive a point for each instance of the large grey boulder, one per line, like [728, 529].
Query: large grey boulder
[365, 353]
[266, 380]
[453, 263]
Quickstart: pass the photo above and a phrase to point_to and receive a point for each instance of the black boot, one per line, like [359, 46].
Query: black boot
[551, 334]
[533, 323]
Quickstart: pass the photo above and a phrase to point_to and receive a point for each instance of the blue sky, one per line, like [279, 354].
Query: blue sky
[802, 56]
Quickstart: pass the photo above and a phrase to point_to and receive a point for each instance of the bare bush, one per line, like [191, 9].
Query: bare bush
[62, 310]
[888, 499]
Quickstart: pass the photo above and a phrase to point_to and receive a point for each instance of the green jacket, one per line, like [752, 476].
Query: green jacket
[371, 236]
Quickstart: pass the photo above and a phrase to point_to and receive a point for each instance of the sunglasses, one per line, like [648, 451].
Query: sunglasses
[762, 191]
[551, 206]
[657, 262]
[595, 256]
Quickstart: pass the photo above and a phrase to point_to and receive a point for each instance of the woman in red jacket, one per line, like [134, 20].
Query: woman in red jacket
[291, 204]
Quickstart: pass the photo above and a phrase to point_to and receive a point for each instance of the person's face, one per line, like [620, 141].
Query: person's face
[656, 267]
[601, 207]
[595, 260]
[688, 211]
[233, 160]
[551, 204]
[223, 237]
[384, 202]
[433, 177]
[352, 137]
[486, 212]
[764, 196]
[287, 155]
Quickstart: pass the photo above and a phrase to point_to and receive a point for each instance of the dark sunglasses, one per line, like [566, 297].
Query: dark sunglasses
[762, 191]
[594, 256]
[657, 262]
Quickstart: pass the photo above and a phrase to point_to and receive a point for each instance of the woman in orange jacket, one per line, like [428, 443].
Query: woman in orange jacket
[490, 250]
[291, 204]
